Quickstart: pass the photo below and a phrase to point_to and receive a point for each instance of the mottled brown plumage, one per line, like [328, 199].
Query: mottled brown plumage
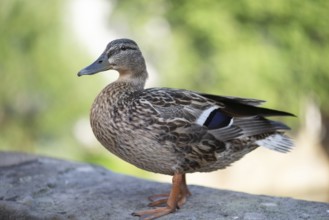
[174, 131]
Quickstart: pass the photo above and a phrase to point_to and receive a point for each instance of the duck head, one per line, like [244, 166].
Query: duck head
[122, 55]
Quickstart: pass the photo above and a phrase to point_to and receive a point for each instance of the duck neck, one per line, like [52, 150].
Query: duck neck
[125, 86]
[134, 81]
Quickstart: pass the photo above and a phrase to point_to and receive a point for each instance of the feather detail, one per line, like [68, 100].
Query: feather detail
[258, 125]
[204, 115]
[240, 107]
[227, 133]
[253, 102]
[277, 142]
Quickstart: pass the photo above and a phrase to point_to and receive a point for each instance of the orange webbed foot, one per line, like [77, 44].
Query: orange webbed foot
[170, 202]
[158, 200]
[154, 213]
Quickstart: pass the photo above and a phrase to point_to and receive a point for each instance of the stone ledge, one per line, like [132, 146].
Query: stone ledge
[33, 187]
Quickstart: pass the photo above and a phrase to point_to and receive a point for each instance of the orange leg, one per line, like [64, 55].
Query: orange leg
[161, 199]
[175, 199]
[184, 193]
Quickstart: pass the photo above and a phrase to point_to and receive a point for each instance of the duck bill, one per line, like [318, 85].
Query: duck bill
[101, 64]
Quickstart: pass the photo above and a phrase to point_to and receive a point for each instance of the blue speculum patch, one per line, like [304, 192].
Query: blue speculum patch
[217, 119]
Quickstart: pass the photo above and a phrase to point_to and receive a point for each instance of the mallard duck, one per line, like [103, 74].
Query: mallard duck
[174, 131]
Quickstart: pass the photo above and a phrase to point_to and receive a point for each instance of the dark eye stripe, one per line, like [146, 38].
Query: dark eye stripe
[117, 50]
[128, 48]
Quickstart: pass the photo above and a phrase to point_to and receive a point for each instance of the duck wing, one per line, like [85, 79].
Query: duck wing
[211, 111]
[204, 124]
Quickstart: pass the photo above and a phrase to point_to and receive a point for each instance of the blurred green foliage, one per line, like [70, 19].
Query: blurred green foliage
[276, 50]
[38, 81]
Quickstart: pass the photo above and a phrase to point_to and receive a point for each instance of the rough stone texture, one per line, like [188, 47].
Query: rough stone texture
[33, 187]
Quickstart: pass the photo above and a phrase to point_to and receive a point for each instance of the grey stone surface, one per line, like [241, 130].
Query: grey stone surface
[33, 187]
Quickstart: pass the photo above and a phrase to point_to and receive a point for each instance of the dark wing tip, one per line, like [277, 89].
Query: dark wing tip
[242, 107]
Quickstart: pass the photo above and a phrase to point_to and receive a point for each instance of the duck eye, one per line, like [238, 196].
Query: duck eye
[124, 48]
